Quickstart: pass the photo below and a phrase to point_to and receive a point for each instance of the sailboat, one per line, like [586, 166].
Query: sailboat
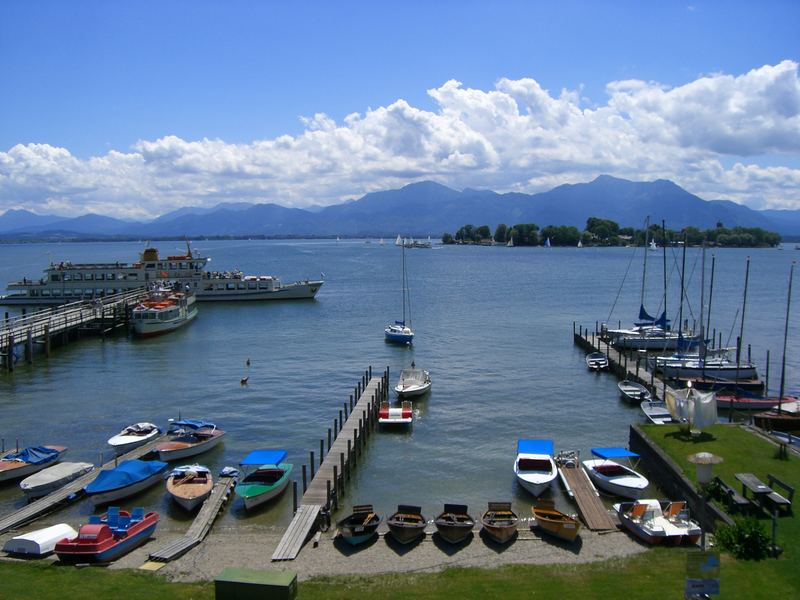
[510, 242]
[399, 332]
[547, 243]
[580, 243]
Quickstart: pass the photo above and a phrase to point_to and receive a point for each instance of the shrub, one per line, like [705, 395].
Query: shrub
[745, 540]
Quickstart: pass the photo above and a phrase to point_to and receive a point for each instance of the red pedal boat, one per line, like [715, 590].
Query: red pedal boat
[107, 537]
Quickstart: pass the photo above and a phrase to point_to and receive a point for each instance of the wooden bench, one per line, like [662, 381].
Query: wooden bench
[776, 500]
[733, 499]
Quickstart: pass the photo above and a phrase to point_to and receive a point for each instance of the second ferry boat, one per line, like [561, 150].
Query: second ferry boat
[69, 282]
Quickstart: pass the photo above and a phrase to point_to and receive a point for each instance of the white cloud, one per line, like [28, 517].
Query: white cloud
[517, 136]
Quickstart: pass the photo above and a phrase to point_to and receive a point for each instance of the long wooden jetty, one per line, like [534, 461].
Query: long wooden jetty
[200, 526]
[19, 335]
[591, 507]
[327, 483]
[69, 493]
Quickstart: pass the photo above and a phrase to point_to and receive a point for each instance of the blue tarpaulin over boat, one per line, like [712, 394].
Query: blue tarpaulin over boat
[193, 424]
[128, 472]
[264, 457]
[614, 453]
[34, 455]
[535, 447]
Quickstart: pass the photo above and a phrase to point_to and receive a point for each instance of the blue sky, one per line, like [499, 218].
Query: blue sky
[143, 107]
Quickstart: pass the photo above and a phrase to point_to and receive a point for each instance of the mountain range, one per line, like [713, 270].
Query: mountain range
[422, 209]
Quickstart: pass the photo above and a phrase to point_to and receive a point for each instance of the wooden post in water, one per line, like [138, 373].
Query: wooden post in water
[321, 451]
[305, 481]
[294, 497]
[345, 407]
[328, 494]
[766, 378]
[29, 347]
[335, 488]
[47, 340]
[329, 439]
[349, 457]
[340, 422]
[311, 462]
[341, 464]
[10, 355]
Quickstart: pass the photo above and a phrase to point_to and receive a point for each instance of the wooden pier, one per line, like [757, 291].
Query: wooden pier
[69, 493]
[591, 507]
[20, 335]
[327, 483]
[200, 526]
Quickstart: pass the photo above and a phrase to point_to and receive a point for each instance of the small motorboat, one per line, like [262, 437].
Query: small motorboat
[534, 466]
[189, 437]
[500, 522]
[596, 361]
[399, 415]
[633, 392]
[656, 522]
[39, 542]
[413, 382]
[613, 477]
[454, 523]
[163, 311]
[29, 461]
[657, 412]
[52, 478]
[133, 436]
[190, 485]
[360, 526]
[265, 476]
[126, 479]
[407, 524]
[554, 522]
[107, 537]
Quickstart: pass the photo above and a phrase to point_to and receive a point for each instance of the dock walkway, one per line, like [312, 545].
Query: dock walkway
[591, 507]
[325, 485]
[200, 526]
[69, 493]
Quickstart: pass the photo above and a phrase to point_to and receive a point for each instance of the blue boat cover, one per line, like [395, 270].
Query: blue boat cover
[535, 447]
[128, 472]
[35, 455]
[264, 457]
[644, 315]
[614, 453]
[193, 423]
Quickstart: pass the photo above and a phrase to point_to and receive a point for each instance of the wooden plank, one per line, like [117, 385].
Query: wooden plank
[297, 532]
[591, 507]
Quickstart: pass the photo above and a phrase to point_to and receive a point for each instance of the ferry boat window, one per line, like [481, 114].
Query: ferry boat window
[172, 266]
[67, 293]
[252, 286]
[77, 292]
[182, 265]
[99, 292]
[220, 286]
[150, 266]
[34, 292]
[100, 276]
[133, 276]
[45, 292]
[231, 286]
[240, 286]
[111, 276]
[56, 292]
[88, 277]
[78, 276]
[56, 277]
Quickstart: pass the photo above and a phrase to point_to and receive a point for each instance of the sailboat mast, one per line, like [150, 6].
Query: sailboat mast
[664, 255]
[702, 347]
[646, 249]
[710, 293]
[683, 271]
[741, 326]
[404, 284]
[785, 338]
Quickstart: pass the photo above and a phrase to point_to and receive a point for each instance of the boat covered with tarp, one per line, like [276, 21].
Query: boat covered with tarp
[126, 479]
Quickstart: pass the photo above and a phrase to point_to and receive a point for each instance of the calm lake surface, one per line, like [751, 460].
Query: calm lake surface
[493, 326]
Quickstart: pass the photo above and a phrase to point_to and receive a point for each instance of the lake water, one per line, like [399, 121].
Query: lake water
[493, 326]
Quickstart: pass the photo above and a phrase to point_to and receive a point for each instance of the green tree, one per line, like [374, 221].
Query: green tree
[482, 233]
[501, 233]
[447, 239]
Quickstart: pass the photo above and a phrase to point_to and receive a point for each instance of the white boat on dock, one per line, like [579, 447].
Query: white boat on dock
[413, 382]
[613, 477]
[52, 478]
[534, 466]
[133, 436]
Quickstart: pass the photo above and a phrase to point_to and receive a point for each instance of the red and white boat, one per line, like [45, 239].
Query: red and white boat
[391, 415]
[747, 403]
[107, 537]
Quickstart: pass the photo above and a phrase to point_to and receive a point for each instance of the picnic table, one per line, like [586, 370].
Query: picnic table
[758, 488]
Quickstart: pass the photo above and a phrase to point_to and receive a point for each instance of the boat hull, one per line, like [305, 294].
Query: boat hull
[360, 526]
[454, 525]
[633, 392]
[556, 523]
[500, 522]
[412, 391]
[75, 552]
[254, 494]
[535, 472]
[33, 489]
[187, 494]
[125, 443]
[301, 290]
[10, 470]
[147, 329]
[123, 492]
[622, 481]
[178, 450]
[398, 338]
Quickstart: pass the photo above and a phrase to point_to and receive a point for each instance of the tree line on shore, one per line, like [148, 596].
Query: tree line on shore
[604, 232]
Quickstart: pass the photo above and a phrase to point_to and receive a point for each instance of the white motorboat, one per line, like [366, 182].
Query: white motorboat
[188, 437]
[190, 485]
[632, 391]
[712, 367]
[29, 461]
[613, 477]
[656, 522]
[163, 311]
[413, 382]
[40, 541]
[596, 361]
[656, 412]
[534, 466]
[265, 476]
[133, 436]
[395, 415]
[52, 478]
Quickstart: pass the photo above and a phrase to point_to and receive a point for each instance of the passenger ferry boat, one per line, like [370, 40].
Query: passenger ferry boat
[69, 282]
[163, 311]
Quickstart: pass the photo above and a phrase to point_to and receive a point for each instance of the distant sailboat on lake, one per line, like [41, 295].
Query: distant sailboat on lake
[399, 332]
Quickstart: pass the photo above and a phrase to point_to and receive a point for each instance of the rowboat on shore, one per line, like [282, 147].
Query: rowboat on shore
[554, 522]
[454, 523]
[360, 525]
[407, 523]
[500, 522]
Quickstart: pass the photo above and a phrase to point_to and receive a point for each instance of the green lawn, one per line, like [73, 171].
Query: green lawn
[658, 573]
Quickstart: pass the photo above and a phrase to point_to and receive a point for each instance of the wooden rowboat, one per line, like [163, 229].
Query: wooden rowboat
[500, 522]
[554, 522]
[454, 524]
[407, 524]
[360, 525]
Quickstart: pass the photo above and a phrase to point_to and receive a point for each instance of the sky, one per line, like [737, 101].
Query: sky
[135, 109]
